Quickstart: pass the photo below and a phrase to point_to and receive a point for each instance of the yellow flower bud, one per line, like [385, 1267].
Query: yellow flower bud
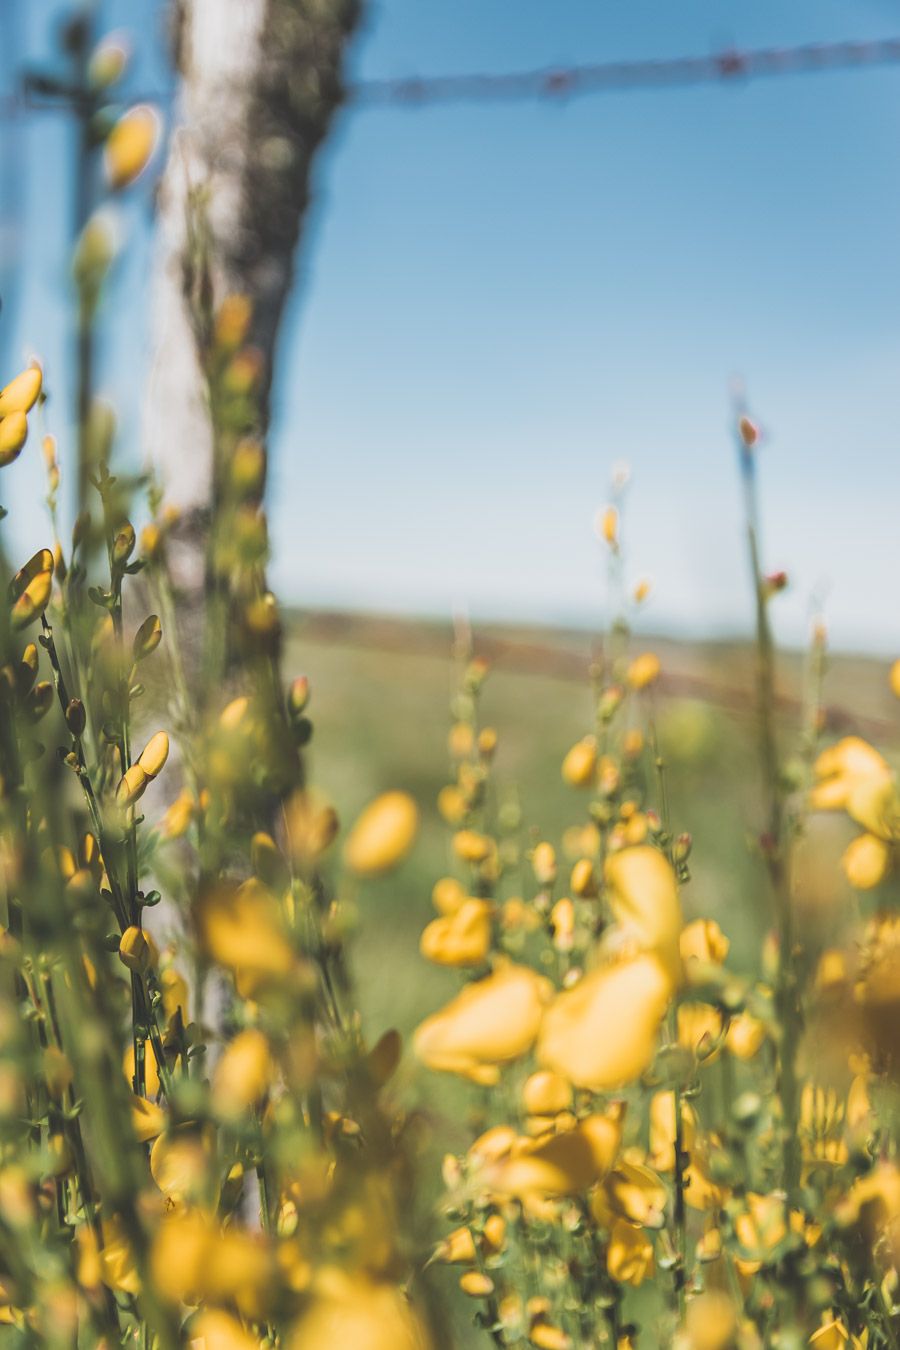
[487, 742]
[382, 835]
[547, 1336]
[108, 62]
[132, 785]
[457, 1248]
[583, 882]
[866, 861]
[452, 805]
[543, 864]
[608, 526]
[147, 638]
[546, 1094]
[130, 145]
[448, 895]
[13, 434]
[135, 950]
[580, 763]
[644, 670]
[178, 816]
[154, 754]
[32, 586]
[151, 538]
[460, 740]
[21, 394]
[475, 1284]
[472, 847]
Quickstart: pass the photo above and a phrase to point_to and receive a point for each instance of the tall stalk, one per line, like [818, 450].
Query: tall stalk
[775, 839]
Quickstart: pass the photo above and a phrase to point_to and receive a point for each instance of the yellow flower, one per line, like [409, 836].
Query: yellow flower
[243, 931]
[489, 1023]
[181, 1163]
[568, 1163]
[462, 938]
[118, 1268]
[833, 1335]
[873, 1201]
[178, 816]
[629, 1256]
[575, 1038]
[243, 1074]
[348, 1310]
[636, 1193]
[702, 944]
[700, 1028]
[745, 1035]
[894, 679]
[711, 1321]
[213, 1329]
[853, 777]
[147, 1119]
[546, 1336]
[583, 881]
[643, 896]
[760, 1228]
[13, 435]
[448, 895]
[383, 834]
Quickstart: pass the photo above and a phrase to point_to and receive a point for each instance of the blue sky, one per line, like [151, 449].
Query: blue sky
[498, 302]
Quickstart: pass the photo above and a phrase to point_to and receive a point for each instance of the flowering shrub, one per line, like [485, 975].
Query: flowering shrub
[668, 1150]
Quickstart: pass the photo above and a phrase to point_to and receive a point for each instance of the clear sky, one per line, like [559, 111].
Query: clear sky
[498, 302]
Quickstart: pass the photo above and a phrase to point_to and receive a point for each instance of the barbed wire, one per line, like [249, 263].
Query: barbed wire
[562, 82]
[731, 65]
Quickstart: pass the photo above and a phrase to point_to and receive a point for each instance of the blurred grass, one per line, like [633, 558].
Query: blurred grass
[380, 692]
